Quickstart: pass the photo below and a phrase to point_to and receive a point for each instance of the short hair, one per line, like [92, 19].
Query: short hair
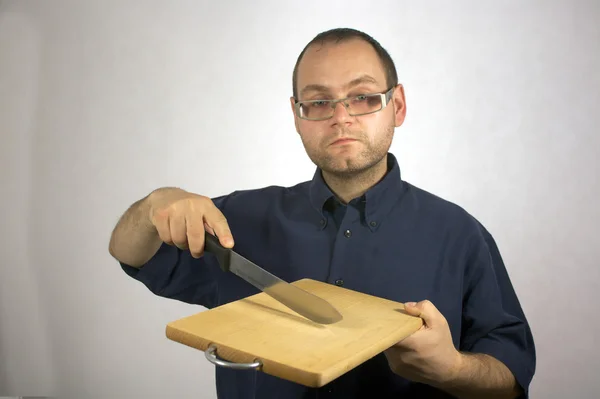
[338, 35]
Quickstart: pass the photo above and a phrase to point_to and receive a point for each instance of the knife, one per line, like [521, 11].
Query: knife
[300, 301]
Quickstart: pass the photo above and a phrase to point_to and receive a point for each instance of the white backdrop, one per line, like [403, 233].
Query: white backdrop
[103, 101]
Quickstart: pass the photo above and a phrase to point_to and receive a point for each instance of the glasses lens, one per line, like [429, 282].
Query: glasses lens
[315, 110]
[364, 104]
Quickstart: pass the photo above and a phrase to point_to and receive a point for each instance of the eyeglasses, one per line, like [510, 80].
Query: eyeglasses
[320, 110]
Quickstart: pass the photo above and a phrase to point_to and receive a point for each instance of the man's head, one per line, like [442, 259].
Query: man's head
[344, 63]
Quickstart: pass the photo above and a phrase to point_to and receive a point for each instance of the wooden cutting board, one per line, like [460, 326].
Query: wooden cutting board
[292, 347]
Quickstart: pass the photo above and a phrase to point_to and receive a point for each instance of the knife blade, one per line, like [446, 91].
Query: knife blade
[302, 302]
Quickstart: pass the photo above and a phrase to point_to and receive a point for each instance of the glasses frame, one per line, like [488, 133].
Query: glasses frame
[385, 99]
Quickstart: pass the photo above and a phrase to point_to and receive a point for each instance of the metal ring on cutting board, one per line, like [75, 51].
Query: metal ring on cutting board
[212, 357]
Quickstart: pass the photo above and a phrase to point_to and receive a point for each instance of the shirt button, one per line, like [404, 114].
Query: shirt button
[322, 222]
[373, 224]
[339, 282]
[348, 233]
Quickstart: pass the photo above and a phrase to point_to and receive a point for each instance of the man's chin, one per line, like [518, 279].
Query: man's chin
[346, 166]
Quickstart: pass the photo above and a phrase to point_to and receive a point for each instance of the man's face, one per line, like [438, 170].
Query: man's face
[344, 144]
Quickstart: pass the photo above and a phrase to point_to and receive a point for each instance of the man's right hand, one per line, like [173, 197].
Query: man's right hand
[181, 219]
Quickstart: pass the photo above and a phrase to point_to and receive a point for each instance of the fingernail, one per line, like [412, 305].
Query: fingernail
[410, 304]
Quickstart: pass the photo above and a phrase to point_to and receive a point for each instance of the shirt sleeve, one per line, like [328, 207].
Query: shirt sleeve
[493, 321]
[175, 274]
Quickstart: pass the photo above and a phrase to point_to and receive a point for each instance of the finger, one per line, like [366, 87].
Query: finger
[195, 234]
[178, 233]
[209, 229]
[427, 311]
[161, 222]
[217, 221]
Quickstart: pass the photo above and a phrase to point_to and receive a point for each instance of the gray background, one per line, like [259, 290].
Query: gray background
[103, 101]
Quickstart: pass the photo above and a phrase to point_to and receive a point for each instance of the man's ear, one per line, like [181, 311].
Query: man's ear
[399, 102]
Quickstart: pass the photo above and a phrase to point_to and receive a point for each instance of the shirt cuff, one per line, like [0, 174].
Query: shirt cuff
[154, 273]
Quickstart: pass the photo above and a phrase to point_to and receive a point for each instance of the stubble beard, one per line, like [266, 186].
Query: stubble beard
[343, 167]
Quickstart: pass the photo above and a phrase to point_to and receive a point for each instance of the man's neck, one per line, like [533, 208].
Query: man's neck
[346, 188]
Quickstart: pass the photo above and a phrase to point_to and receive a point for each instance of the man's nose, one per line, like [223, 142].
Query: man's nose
[340, 114]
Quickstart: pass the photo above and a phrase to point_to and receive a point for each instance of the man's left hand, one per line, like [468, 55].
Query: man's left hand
[428, 355]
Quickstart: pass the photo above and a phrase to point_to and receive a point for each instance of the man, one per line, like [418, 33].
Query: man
[356, 224]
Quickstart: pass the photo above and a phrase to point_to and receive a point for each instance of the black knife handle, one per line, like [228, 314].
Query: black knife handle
[223, 255]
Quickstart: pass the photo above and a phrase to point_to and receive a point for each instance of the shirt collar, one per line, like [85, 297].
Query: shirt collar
[379, 199]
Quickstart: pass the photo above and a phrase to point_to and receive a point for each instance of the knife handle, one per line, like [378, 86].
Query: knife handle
[223, 255]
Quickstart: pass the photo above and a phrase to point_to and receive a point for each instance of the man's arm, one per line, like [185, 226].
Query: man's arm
[481, 376]
[495, 356]
[159, 241]
[134, 239]
[493, 319]
[170, 215]
[430, 357]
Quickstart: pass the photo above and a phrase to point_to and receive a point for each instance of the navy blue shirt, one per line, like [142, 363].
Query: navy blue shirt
[397, 242]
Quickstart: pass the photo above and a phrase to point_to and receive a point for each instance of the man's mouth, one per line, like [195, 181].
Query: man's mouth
[343, 140]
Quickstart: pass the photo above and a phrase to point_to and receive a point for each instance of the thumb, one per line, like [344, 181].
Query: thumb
[425, 310]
